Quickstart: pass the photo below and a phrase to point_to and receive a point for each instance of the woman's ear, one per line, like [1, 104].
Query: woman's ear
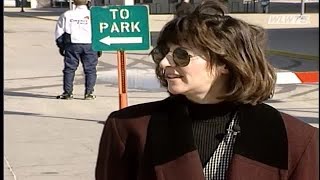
[223, 69]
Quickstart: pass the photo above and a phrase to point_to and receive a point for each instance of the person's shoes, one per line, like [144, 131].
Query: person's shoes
[65, 96]
[89, 97]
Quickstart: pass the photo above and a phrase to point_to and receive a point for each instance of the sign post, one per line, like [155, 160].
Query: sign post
[120, 28]
[122, 79]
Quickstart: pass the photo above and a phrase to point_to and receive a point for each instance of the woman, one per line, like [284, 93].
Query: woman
[214, 125]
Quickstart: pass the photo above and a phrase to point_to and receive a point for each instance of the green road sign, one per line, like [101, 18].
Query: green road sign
[120, 28]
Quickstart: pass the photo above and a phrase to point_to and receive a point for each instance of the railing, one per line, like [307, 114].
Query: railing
[60, 3]
[248, 6]
[154, 8]
[166, 7]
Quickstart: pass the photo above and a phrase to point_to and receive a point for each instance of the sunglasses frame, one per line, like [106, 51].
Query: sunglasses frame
[181, 61]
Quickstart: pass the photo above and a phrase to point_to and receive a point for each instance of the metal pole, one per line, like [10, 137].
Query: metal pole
[22, 10]
[70, 5]
[247, 5]
[302, 6]
[122, 80]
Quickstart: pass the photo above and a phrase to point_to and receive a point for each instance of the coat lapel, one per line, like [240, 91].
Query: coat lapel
[170, 146]
[263, 136]
[169, 133]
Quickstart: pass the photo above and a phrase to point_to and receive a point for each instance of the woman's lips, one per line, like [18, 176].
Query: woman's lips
[172, 76]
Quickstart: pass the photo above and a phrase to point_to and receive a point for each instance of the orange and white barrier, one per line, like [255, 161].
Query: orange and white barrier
[297, 77]
[146, 79]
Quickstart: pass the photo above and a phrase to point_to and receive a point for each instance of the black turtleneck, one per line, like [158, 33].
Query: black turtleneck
[209, 124]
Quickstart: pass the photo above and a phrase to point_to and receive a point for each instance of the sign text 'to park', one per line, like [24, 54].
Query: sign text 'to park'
[120, 28]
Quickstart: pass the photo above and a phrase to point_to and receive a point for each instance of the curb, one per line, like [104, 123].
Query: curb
[308, 77]
[292, 55]
[44, 18]
[297, 77]
[54, 18]
[146, 79]
[39, 17]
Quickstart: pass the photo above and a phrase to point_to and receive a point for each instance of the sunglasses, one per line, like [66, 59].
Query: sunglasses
[180, 56]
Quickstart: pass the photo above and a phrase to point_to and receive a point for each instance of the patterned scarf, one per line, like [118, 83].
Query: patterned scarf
[218, 164]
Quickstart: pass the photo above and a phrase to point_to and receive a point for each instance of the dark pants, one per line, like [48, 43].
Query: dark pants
[89, 60]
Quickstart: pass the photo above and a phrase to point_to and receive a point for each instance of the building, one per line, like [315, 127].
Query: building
[155, 6]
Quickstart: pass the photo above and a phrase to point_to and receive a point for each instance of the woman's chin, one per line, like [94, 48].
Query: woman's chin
[175, 90]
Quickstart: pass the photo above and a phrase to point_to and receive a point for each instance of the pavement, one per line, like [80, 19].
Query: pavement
[50, 139]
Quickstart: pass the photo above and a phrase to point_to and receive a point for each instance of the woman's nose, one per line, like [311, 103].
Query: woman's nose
[167, 61]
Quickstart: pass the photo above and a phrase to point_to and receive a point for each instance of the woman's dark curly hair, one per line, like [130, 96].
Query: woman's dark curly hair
[223, 40]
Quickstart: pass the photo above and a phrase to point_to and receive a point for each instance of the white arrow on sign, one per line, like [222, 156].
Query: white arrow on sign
[120, 40]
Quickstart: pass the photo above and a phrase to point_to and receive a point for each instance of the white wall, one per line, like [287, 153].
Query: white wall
[9, 3]
[34, 3]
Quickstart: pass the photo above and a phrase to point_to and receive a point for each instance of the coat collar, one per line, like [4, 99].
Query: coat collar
[262, 138]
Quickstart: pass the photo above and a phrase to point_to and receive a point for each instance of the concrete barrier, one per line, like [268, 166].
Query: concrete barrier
[146, 79]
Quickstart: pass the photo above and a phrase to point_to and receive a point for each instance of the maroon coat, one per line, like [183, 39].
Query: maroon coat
[154, 141]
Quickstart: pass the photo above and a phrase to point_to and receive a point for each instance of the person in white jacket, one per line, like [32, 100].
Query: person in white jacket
[73, 38]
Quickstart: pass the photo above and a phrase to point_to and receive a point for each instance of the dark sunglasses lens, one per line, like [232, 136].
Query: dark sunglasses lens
[158, 54]
[181, 57]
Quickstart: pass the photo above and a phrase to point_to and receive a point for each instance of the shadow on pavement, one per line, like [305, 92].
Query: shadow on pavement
[24, 94]
[33, 78]
[35, 12]
[20, 113]
[54, 117]
[29, 14]
[312, 110]
[32, 87]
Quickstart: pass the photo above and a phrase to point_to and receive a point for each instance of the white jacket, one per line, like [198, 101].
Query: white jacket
[77, 23]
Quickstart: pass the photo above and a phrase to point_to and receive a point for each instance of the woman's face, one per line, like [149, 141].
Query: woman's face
[194, 80]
